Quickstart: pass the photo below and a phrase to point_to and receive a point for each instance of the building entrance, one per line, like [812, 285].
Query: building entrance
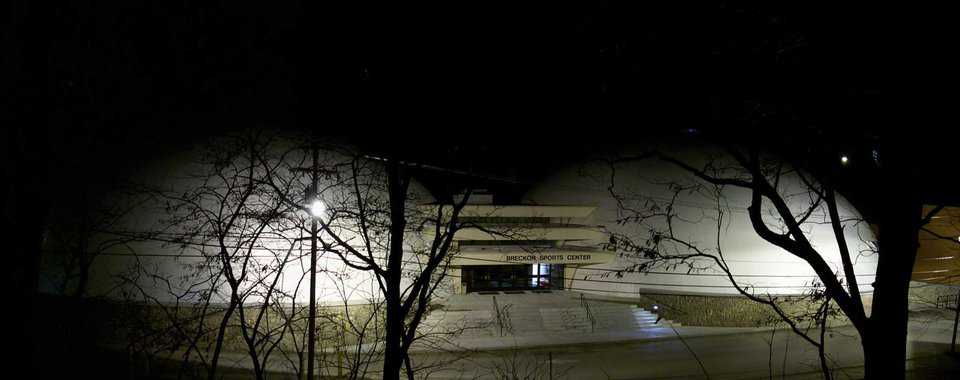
[513, 277]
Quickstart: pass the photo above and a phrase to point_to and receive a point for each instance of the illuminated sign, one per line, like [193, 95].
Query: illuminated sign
[500, 258]
[549, 258]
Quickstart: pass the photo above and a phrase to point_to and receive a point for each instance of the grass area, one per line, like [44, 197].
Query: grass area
[727, 311]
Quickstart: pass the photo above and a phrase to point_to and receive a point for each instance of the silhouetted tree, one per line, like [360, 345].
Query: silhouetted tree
[373, 224]
[754, 167]
[241, 236]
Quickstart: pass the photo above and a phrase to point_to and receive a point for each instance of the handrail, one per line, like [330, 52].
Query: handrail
[496, 309]
[503, 319]
[586, 308]
[946, 300]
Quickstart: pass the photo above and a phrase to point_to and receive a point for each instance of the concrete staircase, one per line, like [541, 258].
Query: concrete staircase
[527, 313]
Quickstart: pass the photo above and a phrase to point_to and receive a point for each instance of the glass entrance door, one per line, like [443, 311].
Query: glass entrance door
[512, 277]
[546, 276]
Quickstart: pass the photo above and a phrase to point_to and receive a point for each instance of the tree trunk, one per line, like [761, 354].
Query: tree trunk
[393, 355]
[393, 359]
[218, 347]
[885, 341]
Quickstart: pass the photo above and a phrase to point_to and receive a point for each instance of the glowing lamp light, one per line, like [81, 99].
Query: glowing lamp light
[656, 307]
[844, 159]
[317, 208]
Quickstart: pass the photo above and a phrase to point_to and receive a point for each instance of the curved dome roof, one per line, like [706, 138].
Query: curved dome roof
[157, 251]
[756, 263]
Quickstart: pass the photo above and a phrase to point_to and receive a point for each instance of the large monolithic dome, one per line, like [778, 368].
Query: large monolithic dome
[163, 246]
[755, 263]
[557, 237]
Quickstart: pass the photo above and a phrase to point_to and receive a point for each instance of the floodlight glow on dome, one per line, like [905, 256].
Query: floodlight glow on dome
[317, 208]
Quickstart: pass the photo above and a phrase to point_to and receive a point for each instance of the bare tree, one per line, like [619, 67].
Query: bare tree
[76, 238]
[246, 216]
[519, 364]
[781, 225]
[372, 225]
[237, 238]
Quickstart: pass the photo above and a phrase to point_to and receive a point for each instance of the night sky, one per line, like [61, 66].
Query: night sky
[526, 85]
[163, 70]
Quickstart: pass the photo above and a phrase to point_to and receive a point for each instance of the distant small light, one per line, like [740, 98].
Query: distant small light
[844, 159]
[317, 208]
[655, 307]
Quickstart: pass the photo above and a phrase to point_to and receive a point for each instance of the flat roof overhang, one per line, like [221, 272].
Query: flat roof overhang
[517, 211]
[529, 232]
[518, 256]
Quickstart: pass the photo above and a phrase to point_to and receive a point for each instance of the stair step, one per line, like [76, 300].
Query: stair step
[552, 313]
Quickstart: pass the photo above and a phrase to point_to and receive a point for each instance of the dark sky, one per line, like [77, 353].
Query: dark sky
[630, 64]
[134, 79]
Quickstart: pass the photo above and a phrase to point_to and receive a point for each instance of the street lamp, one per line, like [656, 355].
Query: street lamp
[317, 210]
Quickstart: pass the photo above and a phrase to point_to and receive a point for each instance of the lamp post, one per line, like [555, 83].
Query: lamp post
[312, 316]
[314, 206]
[316, 209]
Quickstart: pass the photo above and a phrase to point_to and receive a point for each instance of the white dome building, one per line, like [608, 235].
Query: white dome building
[555, 238]
[166, 249]
[564, 224]
[755, 263]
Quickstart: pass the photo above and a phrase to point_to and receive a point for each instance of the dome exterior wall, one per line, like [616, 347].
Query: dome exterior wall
[158, 252]
[755, 263]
